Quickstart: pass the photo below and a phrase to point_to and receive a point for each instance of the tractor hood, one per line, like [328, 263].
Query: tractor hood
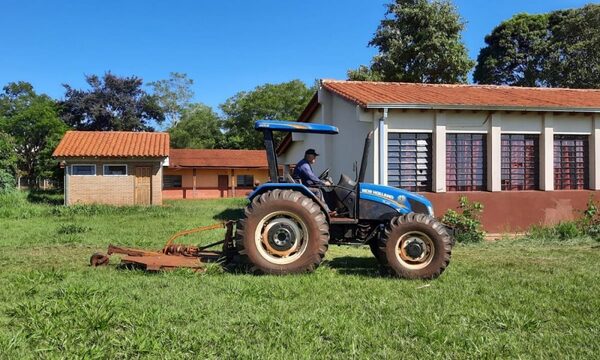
[401, 200]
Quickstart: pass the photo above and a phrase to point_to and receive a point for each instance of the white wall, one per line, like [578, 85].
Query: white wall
[495, 124]
[338, 152]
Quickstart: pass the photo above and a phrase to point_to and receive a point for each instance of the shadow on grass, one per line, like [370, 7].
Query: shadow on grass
[50, 197]
[230, 214]
[349, 265]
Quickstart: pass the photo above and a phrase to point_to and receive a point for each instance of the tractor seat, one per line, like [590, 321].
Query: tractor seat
[290, 179]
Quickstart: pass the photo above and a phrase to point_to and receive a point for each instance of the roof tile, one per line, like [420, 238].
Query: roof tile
[113, 144]
[367, 93]
[218, 158]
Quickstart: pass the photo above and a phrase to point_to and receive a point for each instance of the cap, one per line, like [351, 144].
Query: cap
[311, 152]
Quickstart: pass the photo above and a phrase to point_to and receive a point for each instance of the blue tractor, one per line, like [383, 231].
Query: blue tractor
[286, 228]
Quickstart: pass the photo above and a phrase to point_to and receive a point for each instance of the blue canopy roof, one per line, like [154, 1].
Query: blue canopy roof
[294, 126]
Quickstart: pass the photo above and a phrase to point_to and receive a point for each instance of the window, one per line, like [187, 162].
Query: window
[520, 162]
[171, 181]
[115, 170]
[409, 161]
[571, 170]
[83, 170]
[245, 180]
[465, 162]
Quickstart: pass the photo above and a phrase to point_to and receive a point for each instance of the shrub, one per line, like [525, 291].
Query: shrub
[7, 182]
[589, 223]
[567, 230]
[467, 222]
[65, 229]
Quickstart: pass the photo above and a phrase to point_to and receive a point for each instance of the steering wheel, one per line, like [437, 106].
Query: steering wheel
[325, 174]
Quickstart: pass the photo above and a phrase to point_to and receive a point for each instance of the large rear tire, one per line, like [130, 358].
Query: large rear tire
[416, 246]
[284, 232]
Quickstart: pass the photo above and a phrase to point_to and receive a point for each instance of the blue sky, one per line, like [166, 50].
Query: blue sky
[225, 46]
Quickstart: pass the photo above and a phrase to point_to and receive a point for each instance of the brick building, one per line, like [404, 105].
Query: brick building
[139, 168]
[113, 167]
[213, 173]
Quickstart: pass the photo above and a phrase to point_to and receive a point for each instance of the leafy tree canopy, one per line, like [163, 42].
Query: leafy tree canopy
[33, 123]
[514, 52]
[111, 103]
[8, 162]
[574, 48]
[284, 101]
[558, 49]
[198, 128]
[418, 41]
[173, 94]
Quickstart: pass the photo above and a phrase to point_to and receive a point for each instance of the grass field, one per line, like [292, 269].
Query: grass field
[509, 299]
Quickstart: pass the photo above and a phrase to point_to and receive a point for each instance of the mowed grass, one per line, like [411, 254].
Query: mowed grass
[508, 299]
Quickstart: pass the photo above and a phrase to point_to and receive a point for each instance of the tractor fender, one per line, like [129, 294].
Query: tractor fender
[288, 186]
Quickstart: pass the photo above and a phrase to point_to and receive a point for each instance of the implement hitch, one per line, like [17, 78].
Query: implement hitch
[174, 255]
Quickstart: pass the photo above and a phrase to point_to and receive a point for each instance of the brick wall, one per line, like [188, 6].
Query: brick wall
[203, 193]
[113, 190]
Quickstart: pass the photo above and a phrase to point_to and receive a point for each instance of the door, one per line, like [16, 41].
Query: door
[143, 185]
[223, 185]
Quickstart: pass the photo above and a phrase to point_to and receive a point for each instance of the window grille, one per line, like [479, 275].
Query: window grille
[520, 162]
[466, 162]
[571, 165]
[409, 161]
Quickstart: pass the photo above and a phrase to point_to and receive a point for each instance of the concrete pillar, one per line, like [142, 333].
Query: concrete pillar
[193, 183]
[439, 153]
[494, 153]
[595, 153]
[547, 153]
[383, 148]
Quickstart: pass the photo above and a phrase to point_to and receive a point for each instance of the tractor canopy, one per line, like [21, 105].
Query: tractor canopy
[294, 126]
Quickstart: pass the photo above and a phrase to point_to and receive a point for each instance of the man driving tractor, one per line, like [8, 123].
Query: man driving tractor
[305, 174]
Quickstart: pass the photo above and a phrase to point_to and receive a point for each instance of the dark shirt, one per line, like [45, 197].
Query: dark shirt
[304, 172]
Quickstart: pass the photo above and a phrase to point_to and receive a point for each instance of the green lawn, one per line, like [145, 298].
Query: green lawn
[513, 298]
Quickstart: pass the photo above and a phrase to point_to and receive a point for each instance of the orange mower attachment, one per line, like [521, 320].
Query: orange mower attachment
[173, 255]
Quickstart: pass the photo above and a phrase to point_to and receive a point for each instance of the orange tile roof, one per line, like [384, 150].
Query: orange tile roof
[218, 158]
[430, 96]
[113, 144]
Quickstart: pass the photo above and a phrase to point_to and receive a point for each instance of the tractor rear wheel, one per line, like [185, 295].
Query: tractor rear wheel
[283, 232]
[417, 246]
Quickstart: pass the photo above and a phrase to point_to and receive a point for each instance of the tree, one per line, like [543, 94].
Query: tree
[574, 48]
[283, 101]
[173, 94]
[418, 41]
[32, 121]
[8, 162]
[558, 49]
[515, 52]
[198, 128]
[112, 103]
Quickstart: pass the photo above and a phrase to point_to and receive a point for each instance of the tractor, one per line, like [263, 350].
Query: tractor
[287, 228]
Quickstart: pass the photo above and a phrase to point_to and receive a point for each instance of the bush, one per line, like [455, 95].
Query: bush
[564, 230]
[589, 223]
[467, 222]
[66, 229]
[7, 182]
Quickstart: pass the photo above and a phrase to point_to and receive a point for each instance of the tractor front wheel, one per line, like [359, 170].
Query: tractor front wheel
[416, 246]
[283, 232]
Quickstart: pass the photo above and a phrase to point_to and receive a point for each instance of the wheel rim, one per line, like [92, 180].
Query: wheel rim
[415, 250]
[281, 237]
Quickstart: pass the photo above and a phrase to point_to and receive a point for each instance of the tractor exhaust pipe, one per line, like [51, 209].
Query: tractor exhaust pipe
[365, 158]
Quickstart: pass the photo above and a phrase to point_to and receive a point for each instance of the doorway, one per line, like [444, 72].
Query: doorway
[223, 185]
[143, 185]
